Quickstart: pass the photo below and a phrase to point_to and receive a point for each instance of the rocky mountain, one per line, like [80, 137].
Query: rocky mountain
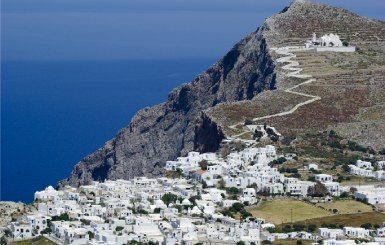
[248, 82]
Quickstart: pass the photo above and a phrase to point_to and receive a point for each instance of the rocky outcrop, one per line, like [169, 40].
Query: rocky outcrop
[171, 129]
[208, 135]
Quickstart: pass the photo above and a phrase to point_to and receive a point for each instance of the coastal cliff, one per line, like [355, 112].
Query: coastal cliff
[171, 129]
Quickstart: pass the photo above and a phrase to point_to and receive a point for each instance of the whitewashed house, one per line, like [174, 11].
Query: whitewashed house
[323, 178]
[295, 187]
[38, 222]
[330, 233]
[380, 165]
[371, 194]
[21, 230]
[356, 232]
[364, 164]
[333, 188]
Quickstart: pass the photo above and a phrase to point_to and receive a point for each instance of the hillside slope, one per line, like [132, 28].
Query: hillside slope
[351, 85]
[247, 83]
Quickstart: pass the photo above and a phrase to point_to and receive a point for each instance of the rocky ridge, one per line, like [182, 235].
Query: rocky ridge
[248, 82]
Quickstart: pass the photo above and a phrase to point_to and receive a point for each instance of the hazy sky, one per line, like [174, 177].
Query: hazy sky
[138, 29]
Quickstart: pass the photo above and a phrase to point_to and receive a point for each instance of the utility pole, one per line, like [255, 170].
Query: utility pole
[291, 215]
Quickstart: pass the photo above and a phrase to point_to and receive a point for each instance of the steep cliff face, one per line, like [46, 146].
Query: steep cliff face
[171, 129]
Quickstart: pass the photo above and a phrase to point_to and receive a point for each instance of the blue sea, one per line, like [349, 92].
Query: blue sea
[54, 113]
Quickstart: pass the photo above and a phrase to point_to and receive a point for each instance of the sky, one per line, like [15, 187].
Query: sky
[138, 29]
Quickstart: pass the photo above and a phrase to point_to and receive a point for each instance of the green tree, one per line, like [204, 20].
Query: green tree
[233, 191]
[169, 198]
[319, 190]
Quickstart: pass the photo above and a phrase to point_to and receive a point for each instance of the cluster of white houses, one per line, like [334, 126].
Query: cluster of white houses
[183, 210]
[366, 169]
[247, 168]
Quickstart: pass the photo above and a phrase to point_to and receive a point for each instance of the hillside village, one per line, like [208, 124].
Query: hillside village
[261, 186]
[204, 198]
[219, 197]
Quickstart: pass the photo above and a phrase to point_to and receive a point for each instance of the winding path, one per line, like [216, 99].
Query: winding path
[294, 71]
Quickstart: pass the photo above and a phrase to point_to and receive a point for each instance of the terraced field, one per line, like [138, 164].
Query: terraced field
[284, 211]
[354, 220]
[346, 207]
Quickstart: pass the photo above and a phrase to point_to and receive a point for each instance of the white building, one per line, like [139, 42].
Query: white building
[328, 43]
[330, 233]
[21, 230]
[356, 232]
[323, 178]
[364, 164]
[334, 188]
[371, 194]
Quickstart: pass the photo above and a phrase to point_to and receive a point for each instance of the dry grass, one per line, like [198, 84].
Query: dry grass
[36, 241]
[347, 206]
[348, 219]
[291, 242]
[283, 211]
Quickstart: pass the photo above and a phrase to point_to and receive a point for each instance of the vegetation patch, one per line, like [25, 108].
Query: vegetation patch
[36, 241]
[336, 221]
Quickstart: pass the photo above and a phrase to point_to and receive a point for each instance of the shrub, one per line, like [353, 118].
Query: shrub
[85, 222]
[233, 190]
[287, 228]
[142, 211]
[248, 121]
[354, 146]
[367, 225]
[257, 134]
[63, 217]
[311, 228]
[344, 194]
[46, 231]
[119, 228]
[319, 190]
[237, 207]
[227, 213]
[346, 168]
[298, 227]
[245, 214]
[311, 178]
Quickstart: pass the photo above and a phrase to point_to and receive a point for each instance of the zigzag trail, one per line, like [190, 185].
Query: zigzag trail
[294, 71]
